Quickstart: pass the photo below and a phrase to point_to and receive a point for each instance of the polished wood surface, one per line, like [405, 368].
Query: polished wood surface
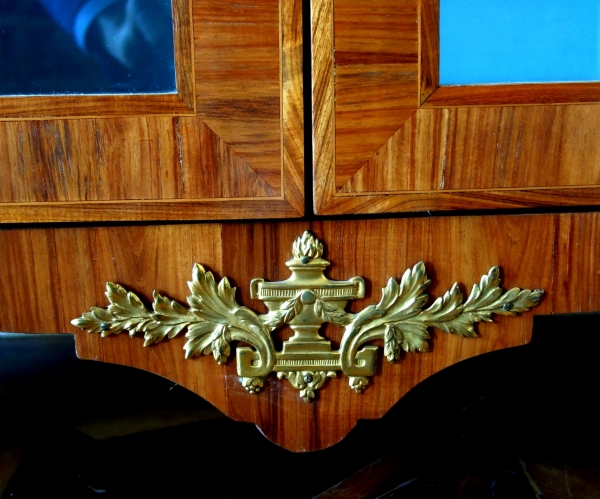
[523, 94]
[403, 143]
[429, 53]
[169, 210]
[238, 79]
[487, 148]
[509, 147]
[323, 118]
[53, 275]
[368, 90]
[234, 150]
[375, 77]
[82, 106]
[292, 105]
[156, 158]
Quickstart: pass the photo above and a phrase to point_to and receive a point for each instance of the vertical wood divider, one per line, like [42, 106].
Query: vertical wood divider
[323, 111]
[429, 48]
[292, 103]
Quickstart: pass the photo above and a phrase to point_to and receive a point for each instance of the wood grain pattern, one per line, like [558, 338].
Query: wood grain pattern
[463, 148]
[377, 32]
[392, 166]
[510, 147]
[183, 37]
[56, 274]
[15, 108]
[429, 48]
[371, 104]
[374, 89]
[323, 108]
[473, 199]
[576, 285]
[376, 83]
[481, 158]
[523, 94]
[237, 52]
[292, 103]
[488, 148]
[120, 159]
[122, 211]
[239, 148]
[179, 103]
[215, 169]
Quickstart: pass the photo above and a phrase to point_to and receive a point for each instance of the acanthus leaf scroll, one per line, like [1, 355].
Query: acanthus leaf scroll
[304, 302]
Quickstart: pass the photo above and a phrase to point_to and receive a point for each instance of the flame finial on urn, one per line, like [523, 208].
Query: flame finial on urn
[307, 247]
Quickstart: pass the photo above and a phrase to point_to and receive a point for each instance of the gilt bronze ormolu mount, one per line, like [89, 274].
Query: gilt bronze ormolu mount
[304, 302]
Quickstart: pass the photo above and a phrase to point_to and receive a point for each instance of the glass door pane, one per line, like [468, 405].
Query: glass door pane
[53, 47]
[519, 41]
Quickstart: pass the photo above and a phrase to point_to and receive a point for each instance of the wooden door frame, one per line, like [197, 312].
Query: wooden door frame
[417, 142]
[200, 154]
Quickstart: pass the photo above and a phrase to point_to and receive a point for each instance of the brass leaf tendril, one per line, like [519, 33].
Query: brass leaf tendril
[305, 301]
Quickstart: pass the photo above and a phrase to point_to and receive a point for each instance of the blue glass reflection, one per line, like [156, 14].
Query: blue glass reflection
[518, 41]
[86, 46]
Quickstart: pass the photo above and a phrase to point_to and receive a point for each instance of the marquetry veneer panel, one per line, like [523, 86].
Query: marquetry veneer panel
[388, 138]
[53, 275]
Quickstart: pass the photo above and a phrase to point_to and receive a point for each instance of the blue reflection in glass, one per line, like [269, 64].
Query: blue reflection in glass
[50, 47]
[518, 41]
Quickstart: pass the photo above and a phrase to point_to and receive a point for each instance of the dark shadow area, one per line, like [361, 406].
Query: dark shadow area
[307, 100]
[519, 423]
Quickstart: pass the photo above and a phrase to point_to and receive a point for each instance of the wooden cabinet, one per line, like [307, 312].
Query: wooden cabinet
[230, 145]
[388, 138]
